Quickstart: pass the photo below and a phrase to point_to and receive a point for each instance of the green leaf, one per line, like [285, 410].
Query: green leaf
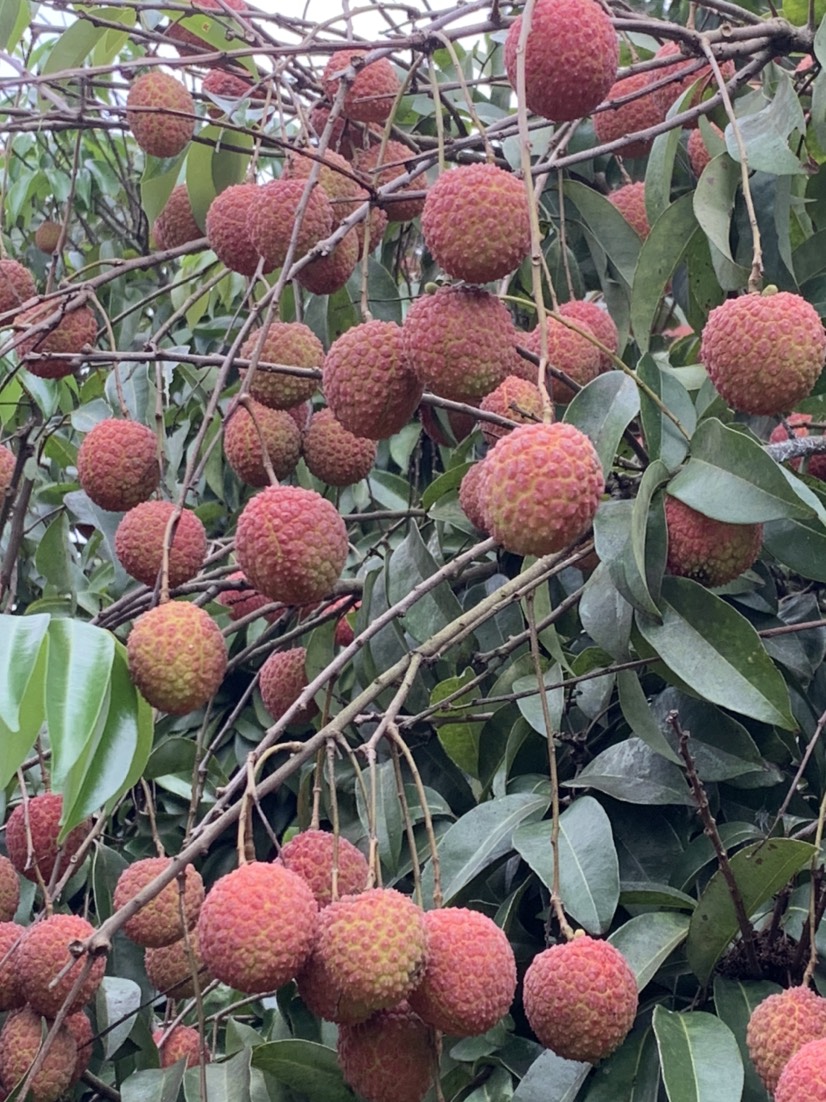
[210, 169]
[714, 202]
[24, 652]
[116, 1003]
[799, 545]
[603, 410]
[607, 227]
[759, 870]
[647, 893]
[551, 1077]
[153, 1085]
[700, 852]
[648, 940]
[631, 1074]
[388, 825]
[766, 133]
[659, 258]
[663, 440]
[75, 44]
[659, 172]
[734, 1000]
[306, 1067]
[638, 715]
[699, 1057]
[460, 739]
[14, 17]
[229, 1081]
[411, 563]
[632, 772]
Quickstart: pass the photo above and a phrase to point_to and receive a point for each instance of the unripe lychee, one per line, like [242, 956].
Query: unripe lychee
[39, 817]
[159, 921]
[9, 890]
[227, 228]
[47, 237]
[177, 657]
[335, 175]
[11, 995]
[469, 499]
[245, 952]
[804, 1077]
[20, 1042]
[327, 274]
[139, 542]
[169, 967]
[44, 954]
[176, 225]
[182, 1042]
[571, 58]
[515, 398]
[630, 202]
[160, 112]
[8, 462]
[380, 166]
[568, 351]
[16, 285]
[187, 42]
[599, 321]
[639, 113]
[68, 335]
[243, 602]
[333, 454]
[580, 998]
[799, 424]
[541, 488]
[117, 464]
[369, 382]
[291, 544]
[282, 679]
[698, 152]
[292, 344]
[712, 552]
[272, 218]
[313, 854]
[475, 222]
[371, 95]
[81, 1029]
[779, 1026]
[251, 429]
[764, 353]
[389, 1058]
[470, 978]
[672, 91]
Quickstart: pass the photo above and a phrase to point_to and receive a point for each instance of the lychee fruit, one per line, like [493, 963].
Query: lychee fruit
[327, 274]
[638, 113]
[630, 202]
[475, 221]
[117, 464]
[376, 224]
[39, 818]
[291, 544]
[16, 285]
[320, 995]
[169, 967]
[44, 953]
[160, 112]
[368, 380]
[764, 353]
[470, 977]
[81, 1029]
[469, 496]
[272, 218]
[804, 1077]
[799, 423]
[175, 225]
[347, 137]
[281, 681]
[292, 344]
[177, 657]
[541, 488]
[515, 398]
[345, 635]
[314, 854]
[11, 995]
[249, 431]
[227, 228]
[587, 313]
[335, 176]
[698, 152]
[182, 1042]
[67, 336]
[580, 998]
[779, 1026]
[47, 237]
[242, 602]
[461, 342]
[382, 165]
[229, 86]
[9, 890]
[668, 93]
[712, 552]
[371, 95]
[258, 926]
[571, 58]
[333, 454]
[301, 414]
[139, 542]
[8, 462]
[187, 41]
[160, 921]
[20, 1041]
[568, 351]
[446, 427]
[389, 1058]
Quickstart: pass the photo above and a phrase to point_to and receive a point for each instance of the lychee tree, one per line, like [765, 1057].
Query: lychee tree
[412, 648]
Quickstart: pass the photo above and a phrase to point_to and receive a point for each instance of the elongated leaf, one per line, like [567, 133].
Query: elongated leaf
[631, 771]
[607, 226]
[660, 255]
[388, 825]
[734, 1001]
[116, 1003]
[603, 410]
[662, 437]
[304, 1066]
[229, 1081]
[549, 1076]
[153, 1085]
[648, 940]
[799, 545]
[699, 1057]
[714, 201]
[638, 716]
[410, 563]
[765, 133]
[631, 1074]
[700, 853]
[24, 649]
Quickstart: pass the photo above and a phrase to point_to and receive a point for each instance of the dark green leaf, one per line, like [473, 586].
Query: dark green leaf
[306, 1067]
[660, 255]
[631, 771]
[734, 1001]
[603, 410]
[699, 1057]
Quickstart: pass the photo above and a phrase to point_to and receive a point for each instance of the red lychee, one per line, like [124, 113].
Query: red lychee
[799, 424]
[39, 818]
[20, 1042]
[371, 95]
[675, 89]
[44, 954]
[251, 429]
[327, 274]
[380, 166]
[282, 679]
[568, 351]
[638, 113]
[117, 464]
[175, 225]
[804, 1077]
[242, 602]
[9, 890]
[376, 224]
[182, 1042]
[630, 202]
[159, 922]
[169, 967]
[698, 152]
[81, 1029]
[292, 344]
[11, 995]
[67, 336]
[160, 112]
[8, 461]
[779, 1026]
[47, 237]
[469, 499]
[187, 42]
[389, 1058]
[227, 228]
[712, 552]
[347, 137]
[335, 455]
[16, 285]
[335, 175]
[515, 398]
[230, 86]
[273, 215]
[599, 321]
[139, 542]
[314, 853]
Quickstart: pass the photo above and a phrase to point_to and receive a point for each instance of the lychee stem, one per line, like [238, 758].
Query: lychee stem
[428, 818]
[153, 825]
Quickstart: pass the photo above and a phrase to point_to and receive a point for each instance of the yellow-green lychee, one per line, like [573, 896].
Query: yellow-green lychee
[370, 97]
[8, 461]
[568, 350]
[252, 429]
[287, 343]
[779, 1026]
[804, 1077]
[227, 228]
[175, 225]
[47, 237]
[389, 1058]
[159, 922]
[117, 464]
[66, 336]
[712, 552]
[272, 218]
[314, 854]
[139, 542]
[333, 454]
[20, 1041]
[160, 112]
[47, 969]
[37, 821]
[469, 499]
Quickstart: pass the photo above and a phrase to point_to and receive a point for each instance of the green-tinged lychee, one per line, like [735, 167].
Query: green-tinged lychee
[698, 151]
[187, 42]
[177, 657]
[8, 461]
[779, 1026]
[380, 165]
[314, 854]
[227, 228]
[712, 552]
[370, 97]
[469, 496]
[461, 342]
[475, 222]
[45, 953]
[470, 978]
[182, 1042]
[389, 1058]
[258, 926]
[169, 967]
[368, 380]
[292, 544]
[20, 1042]
[31, 837]
[683, 73]
[571, 58]
[568, 350]
[243, 602]
[333, 454]
[599, 321]
[291, 344]
[160, 112]
[629, 109]
[117, 464]
[11, 995]
[540, 488]
[81, 1029]
[282, 679]
[9, 890]
[327, 274]
[273, 215]
[160, 921]
[515, 398]
[249, 431]
[47, 237]
[335, 175]
[580, 998]
[804, 1077]
[139, 542]
[765, 352]
[630, 202]
[175, 225]
[799, 423]
[66, 336]
[16, 285]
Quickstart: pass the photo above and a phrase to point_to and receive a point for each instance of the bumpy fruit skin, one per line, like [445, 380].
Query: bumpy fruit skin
[580, 998]
[186, 42]
[81, 1029]
[799, 424]
[571, 58]
[630, 202]
[669, 93]
[117, 464]
[698, 153]
[712, 552]
[333, 454]
[43, 954]
[461, 342]
[377, 224]
[626, 118]
[349, 138]
[312, 853]
[230, 86]
[7, 465]
[368, 380]
[804, 1077]
[469, 499]
[282, 679]
[763, 353]
[9, 890]
[176, 225]
[371, 95]
[11, 995]
[158, 922]
[16, 285]
[20, 1042]
[139, 543]
[374, 946]
[169, 969]
[327, 274]
[470, 977]
[320, 995]
[43, 814]
[291, 544]
[177, 657]
[243, 434]
[475, 222]
[568, 351]
[273, 214]
[47, 237]
[515, 398]
[335, 176]
[290, 343]
[70, 334]
[226, 228]
[388, 1058]
[258, 926]
[150, 99]
[599, 321]
[180, 1043]
[540, 488]
[380, 167]
[779, 1026]
[242, 602]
